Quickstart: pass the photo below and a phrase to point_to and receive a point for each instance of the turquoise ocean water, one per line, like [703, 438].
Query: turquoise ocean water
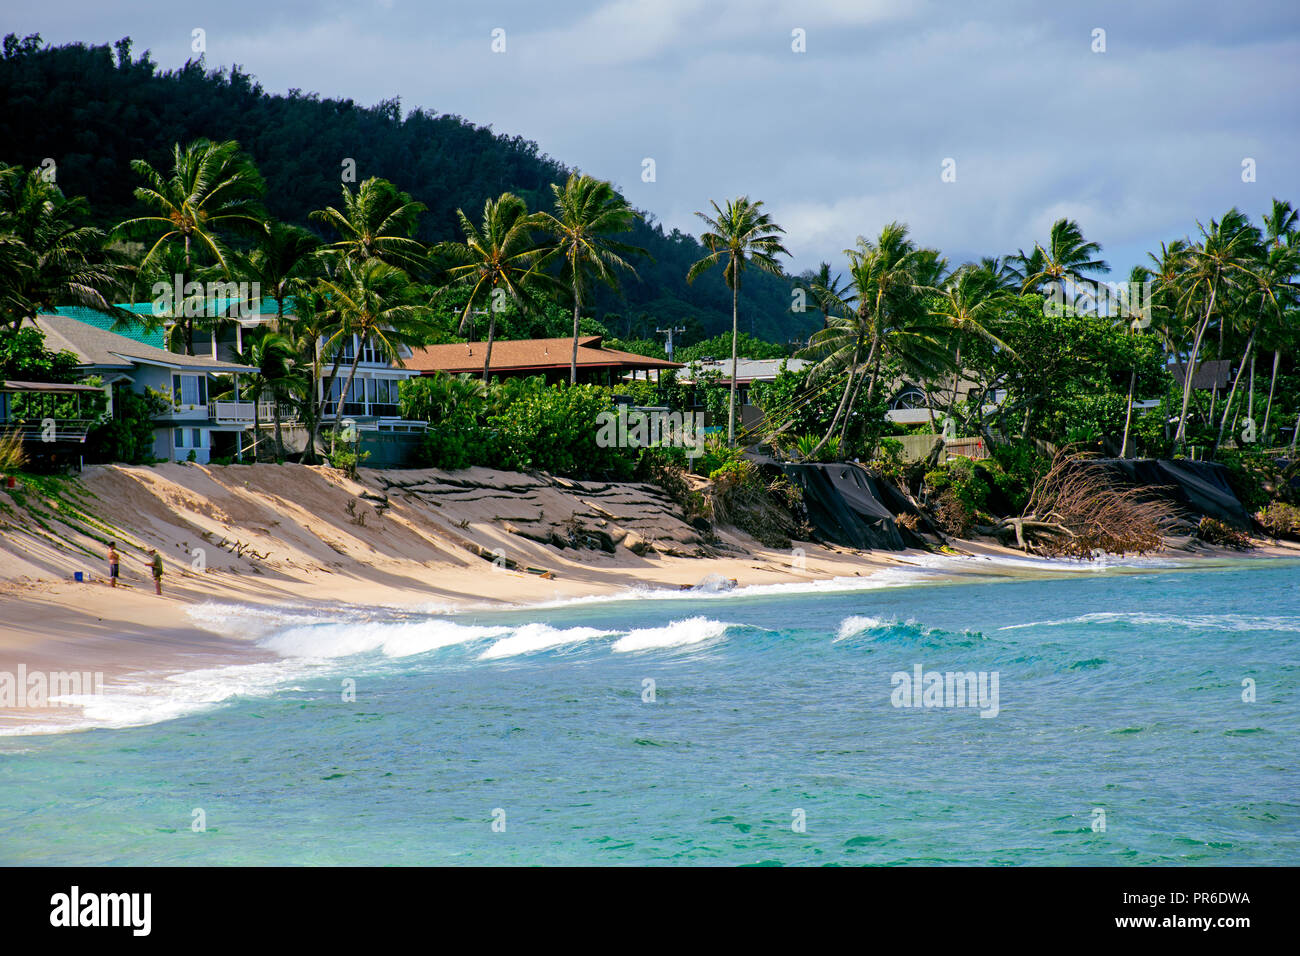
[756, 727]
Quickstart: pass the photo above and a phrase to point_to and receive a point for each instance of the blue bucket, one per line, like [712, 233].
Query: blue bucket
[78, 576]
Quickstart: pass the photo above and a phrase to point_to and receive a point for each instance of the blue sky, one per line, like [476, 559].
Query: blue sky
[1136, 142]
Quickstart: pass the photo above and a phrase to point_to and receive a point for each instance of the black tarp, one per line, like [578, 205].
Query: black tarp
[1196, 488]
[849, 506]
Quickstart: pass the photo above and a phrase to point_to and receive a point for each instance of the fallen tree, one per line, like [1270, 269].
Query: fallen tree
[1078, 511]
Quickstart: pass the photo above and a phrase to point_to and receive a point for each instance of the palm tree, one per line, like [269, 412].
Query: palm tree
[883, 308]
[1219, 262]
[280, 263]
[1272, 291]
[826, 287]
[739, 235]
[1137, 275]
[376, 222]
[318, 336]
[1023, 269]
[1280, 231]
[49, 256]
[971, 304]
[1067, 257]
[212, 189]
[1003, 271]
[373, 302]
[273, 357]
[496, 261]
[587, 211]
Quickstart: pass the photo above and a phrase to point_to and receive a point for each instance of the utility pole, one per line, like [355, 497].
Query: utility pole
[669, 332]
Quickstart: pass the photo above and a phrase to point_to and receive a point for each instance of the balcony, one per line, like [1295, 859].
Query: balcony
[241, 413]
[49, 430]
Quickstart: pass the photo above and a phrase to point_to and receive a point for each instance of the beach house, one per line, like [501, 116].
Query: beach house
[204, 417]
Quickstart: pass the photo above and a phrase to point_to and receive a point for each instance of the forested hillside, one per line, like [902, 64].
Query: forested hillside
[92, 109]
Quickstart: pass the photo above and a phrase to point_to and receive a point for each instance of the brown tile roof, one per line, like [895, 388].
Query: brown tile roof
[524, 355]
[1212, 374]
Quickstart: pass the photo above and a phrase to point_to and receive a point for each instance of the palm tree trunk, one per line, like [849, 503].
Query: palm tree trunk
[848, 384]
[347, 386]
[1268, 408]
[487, 357]
[1181, 433]
[731, 400]
[848, 412]
[577, 308]
[318, 407]
[1250, 393]
[257, 424]
[1128, 415]
[188, 319]
[279, 435]
[1227, 408]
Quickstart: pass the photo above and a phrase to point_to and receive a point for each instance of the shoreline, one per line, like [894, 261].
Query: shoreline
[424, 554]
[137, 640]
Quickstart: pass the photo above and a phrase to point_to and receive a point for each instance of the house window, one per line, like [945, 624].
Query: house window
[178, 436]
[196, 438]
[190, 389]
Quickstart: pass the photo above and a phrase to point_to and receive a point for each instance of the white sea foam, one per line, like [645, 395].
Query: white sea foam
[392, 638]
[540, 637]
[691, 630]
[1208, 622]
[1104, 562]
[856, 625]
[142, 700]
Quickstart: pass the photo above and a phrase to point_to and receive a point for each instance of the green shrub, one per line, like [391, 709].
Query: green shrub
[128, 435]
[346, 459]
[1280, 520]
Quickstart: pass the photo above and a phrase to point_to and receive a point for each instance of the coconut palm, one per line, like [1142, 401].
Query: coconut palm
[826, 287]
[376, 222]
[211, 190]
[318, 336]
[49, 256]
[1262, 313]
[1002, 269]
[971, 304]
[1280, 231]
[1219, 263]
[883, 313]
[587, 212]
[281, 263]
[739, 235]
[497, 262]
[1067, 257]
[1024, 268]
[374, 303]
[1131, 318]
[272, 357]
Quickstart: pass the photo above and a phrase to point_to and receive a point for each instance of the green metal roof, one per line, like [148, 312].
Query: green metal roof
[135, 331]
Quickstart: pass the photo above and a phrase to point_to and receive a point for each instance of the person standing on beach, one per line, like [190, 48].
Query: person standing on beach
[114, 559]
[157, 570]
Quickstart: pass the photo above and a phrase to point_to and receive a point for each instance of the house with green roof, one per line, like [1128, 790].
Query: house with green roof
[198, 421]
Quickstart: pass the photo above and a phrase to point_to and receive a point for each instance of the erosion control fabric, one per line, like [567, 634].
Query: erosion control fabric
[849, 506]
[1197, 488]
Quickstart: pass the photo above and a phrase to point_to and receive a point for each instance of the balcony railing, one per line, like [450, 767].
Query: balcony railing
[377, 409]
[241, 413]
[49, 430]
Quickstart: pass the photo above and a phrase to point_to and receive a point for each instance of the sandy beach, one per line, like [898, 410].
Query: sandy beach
[271, 536]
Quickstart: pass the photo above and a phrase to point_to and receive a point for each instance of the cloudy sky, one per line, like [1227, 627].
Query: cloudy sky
[1136, 142]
